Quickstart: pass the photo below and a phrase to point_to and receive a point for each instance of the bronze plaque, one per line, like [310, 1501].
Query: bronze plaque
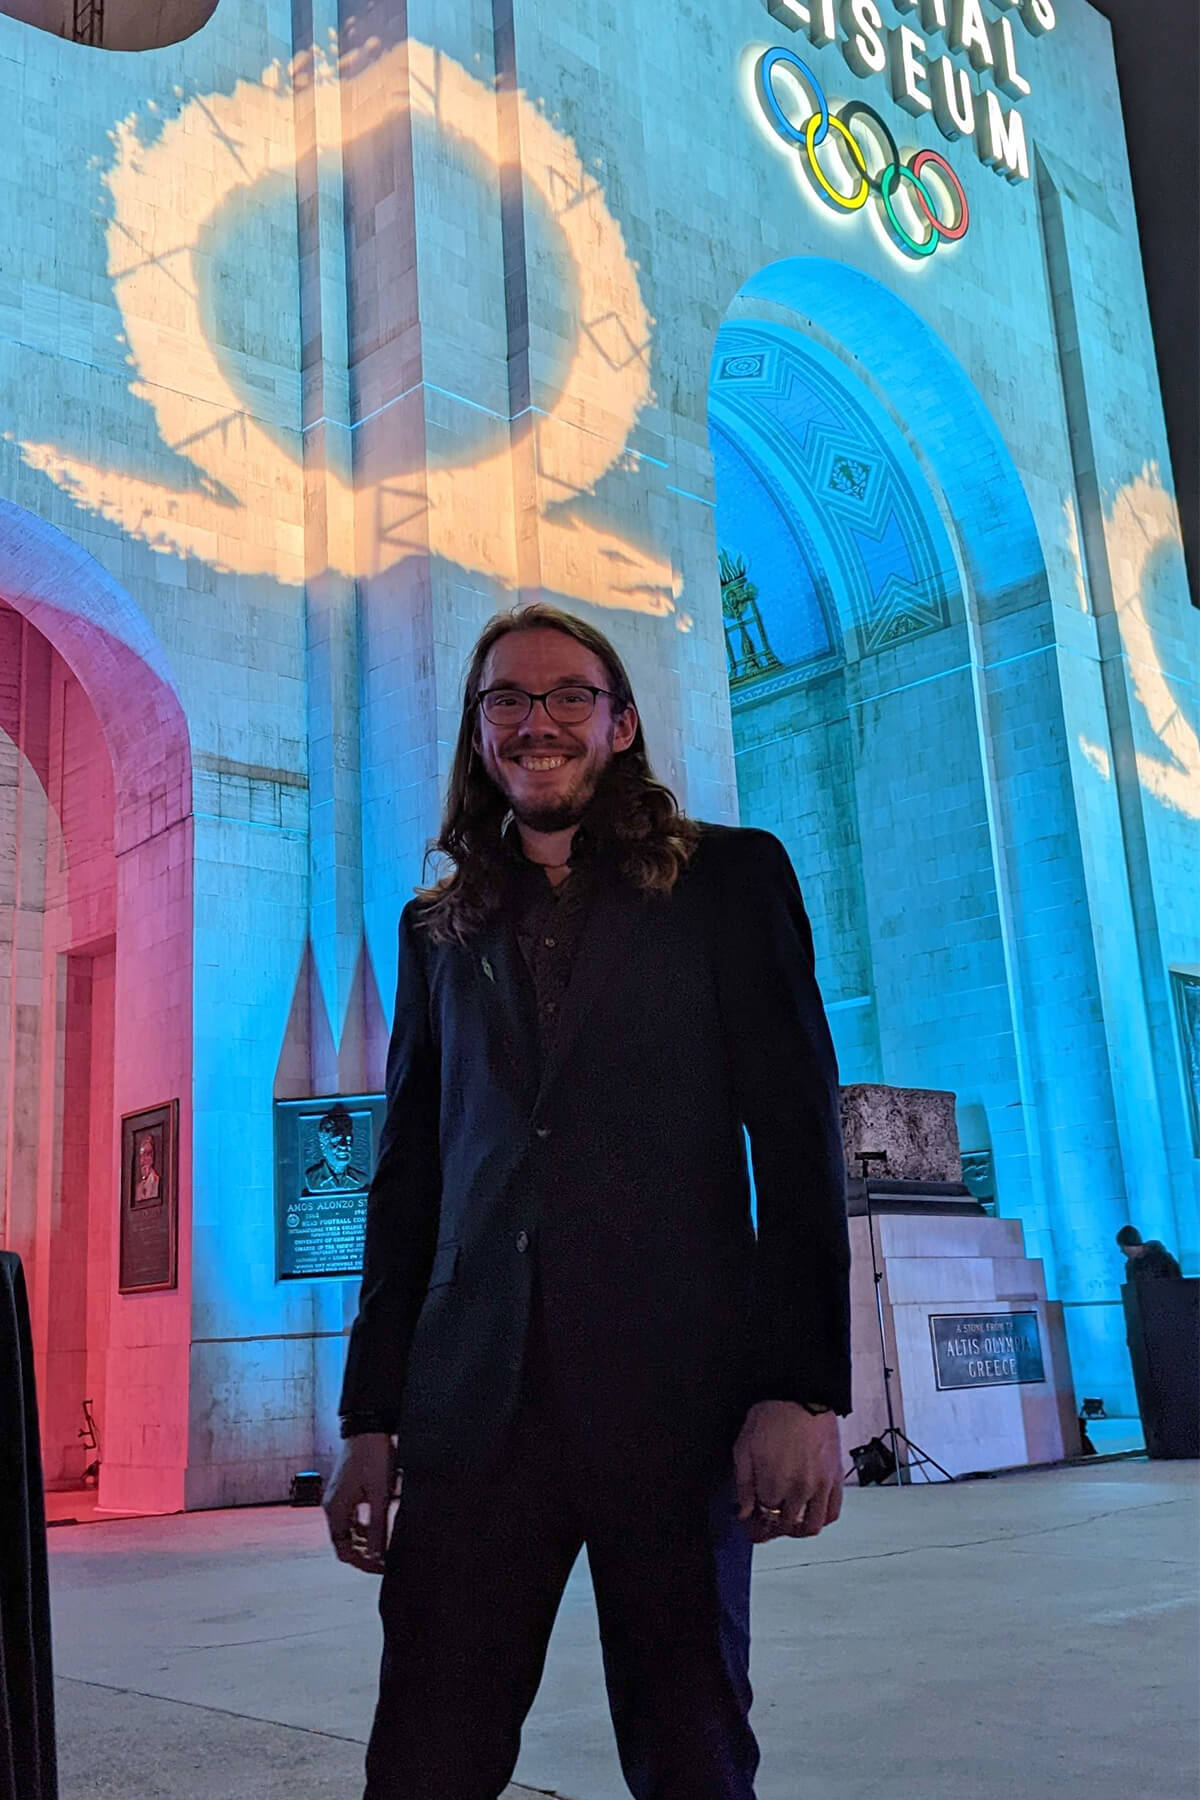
[149, 1198]
[325, 1151]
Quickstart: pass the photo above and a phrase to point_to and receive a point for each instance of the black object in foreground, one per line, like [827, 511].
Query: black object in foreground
[308, 1488]
[28, 1765]
[1162, 1327]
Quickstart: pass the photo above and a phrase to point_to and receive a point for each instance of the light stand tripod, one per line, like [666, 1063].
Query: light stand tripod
[917, 1458]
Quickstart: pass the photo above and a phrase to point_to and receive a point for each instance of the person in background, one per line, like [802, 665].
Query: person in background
[1146, 1261]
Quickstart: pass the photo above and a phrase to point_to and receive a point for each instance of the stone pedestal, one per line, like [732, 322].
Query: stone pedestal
[969, 1269]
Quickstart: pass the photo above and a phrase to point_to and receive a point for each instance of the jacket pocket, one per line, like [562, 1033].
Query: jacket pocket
[445, 1262]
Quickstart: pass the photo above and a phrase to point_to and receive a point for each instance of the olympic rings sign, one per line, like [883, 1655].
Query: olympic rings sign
[875, 168]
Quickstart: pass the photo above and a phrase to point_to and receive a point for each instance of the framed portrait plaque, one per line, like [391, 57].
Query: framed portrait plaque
[149, 1198]
[325, 1152]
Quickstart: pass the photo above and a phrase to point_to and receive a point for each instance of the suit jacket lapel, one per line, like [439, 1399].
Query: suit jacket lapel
[603, 947]
[507, 991]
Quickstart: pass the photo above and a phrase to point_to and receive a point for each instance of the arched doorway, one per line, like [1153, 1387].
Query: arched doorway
[57, 992]
[898, 721]
[114, 24]
[832, 559]
[95, 999]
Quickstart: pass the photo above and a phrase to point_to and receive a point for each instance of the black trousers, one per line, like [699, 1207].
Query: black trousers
[475, 1572]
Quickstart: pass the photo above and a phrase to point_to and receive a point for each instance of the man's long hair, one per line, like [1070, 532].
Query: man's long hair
[632, 817]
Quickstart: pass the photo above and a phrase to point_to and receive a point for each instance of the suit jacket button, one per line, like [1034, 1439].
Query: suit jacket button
[522, 1241]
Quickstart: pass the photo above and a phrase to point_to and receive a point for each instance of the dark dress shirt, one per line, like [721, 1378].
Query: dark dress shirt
[550, 925]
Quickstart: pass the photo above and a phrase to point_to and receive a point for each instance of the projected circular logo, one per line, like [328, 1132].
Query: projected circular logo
[235, 492]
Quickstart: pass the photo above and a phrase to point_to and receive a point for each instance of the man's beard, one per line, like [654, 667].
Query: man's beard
[554, 815]
[569, 809]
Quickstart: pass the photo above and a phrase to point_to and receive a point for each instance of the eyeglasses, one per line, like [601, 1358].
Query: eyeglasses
[565, 705]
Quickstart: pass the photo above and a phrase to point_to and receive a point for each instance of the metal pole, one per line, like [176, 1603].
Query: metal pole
[877, 1272]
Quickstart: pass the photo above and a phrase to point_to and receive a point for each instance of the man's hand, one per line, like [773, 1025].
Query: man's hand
[788, 1465]
[357, 1500]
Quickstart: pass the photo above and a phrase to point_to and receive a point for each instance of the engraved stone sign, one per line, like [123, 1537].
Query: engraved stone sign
[973, 1350]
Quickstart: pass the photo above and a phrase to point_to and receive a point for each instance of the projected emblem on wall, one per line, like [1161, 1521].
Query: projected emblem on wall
[325, 1153]
[1145, 530]
[235, 494]
[209, 468]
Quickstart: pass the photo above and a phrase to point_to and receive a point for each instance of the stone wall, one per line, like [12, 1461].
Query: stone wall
[325, 332]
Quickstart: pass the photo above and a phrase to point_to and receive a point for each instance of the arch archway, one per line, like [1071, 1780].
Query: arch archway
[95, 860]
[900, 362]
[114, 24]
[106, 642]
[914, 757]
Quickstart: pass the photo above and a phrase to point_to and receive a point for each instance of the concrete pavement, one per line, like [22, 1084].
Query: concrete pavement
[1034, 1634]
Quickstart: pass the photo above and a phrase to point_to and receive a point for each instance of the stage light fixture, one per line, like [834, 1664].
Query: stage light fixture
[874, 1463]
[308, 1488]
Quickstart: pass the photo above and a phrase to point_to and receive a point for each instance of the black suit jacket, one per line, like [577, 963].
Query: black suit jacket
[619, 1174]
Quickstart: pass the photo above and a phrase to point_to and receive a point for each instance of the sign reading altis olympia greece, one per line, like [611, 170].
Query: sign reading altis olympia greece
[954, 70]
[1000, 1350]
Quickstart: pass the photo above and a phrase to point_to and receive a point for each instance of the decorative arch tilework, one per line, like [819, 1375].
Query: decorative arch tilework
[877, 555]
[787, 565]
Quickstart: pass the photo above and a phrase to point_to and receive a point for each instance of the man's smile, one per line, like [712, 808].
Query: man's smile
[539, 763]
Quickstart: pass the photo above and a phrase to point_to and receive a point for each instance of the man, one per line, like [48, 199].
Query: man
[567, 1321]
[147, 1181]
[1150, 1261]
[335, 1172]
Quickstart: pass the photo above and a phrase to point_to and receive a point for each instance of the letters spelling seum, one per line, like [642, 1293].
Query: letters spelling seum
[802, 347]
